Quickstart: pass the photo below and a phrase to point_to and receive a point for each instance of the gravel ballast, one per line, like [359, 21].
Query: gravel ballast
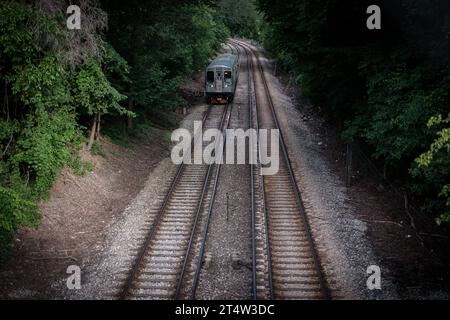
[340, 237]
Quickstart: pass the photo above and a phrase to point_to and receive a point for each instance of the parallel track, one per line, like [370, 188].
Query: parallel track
[254, 170]
[168, 263]
[285, 261]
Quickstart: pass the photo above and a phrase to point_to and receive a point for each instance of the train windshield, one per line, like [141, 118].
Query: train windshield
[227, 76]
[210, 76]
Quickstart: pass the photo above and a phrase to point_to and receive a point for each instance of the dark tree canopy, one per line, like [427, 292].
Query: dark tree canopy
[382, 86]
[125, 63]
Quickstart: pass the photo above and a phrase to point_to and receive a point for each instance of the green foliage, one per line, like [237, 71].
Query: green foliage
[49, 131]
[172, 40]
[392, 121]
[14, 211]
[380, 86]
[434, 164]
[43, 99]
[241, 17]
[94, 93]
[53, 81]
[40, 135]
[154, 87]
[16, 39]
[115, 67]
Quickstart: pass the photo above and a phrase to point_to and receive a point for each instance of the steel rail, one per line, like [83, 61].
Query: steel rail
[209, 213]
[263, 194]
[198, 212]
[141, 255]
[317, 264]
[266, 214]
[252, 181]
[211, 203]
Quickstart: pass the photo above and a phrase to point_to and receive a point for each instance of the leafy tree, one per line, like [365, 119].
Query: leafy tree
[380, 86]
[96, 96]
[241, 17]
[46, 86]
[170, 40]
[434, 165]
[56, 82]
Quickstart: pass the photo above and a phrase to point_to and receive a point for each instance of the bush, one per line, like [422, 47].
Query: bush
[380, 86]
[44, 96]
[434, 166]
[55, 81]
[14, 212]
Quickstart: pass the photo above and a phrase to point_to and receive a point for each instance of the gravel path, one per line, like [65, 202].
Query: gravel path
[340, 236]
[229, 240]
[102, 279]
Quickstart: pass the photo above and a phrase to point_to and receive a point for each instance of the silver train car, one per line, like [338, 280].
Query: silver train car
[221, 78]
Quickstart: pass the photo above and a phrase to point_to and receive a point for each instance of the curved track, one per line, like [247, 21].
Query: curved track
[285, 262]
[169, 261]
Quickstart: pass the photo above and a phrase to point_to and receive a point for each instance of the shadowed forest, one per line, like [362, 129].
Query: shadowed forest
[119, 75]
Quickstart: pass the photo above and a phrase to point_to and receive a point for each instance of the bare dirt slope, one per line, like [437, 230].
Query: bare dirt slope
[76, 217]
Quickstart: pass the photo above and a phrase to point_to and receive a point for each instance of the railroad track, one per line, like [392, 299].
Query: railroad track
[254, 171]
[168, 264]
[285, 261]
[232, 48]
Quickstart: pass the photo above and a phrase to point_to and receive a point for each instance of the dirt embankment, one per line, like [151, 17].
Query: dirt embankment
[363, 224]
[76, 216]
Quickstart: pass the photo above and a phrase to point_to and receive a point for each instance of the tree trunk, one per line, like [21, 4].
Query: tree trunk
[130, 119]
[97, 131]
[6, 102]
[92, 134]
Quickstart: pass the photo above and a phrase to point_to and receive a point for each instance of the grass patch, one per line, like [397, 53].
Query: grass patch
[97, 150]
[145, 126]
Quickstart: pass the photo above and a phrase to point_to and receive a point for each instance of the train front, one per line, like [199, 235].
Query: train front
[219, 80]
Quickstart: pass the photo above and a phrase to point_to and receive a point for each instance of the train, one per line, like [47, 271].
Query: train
[221, 78]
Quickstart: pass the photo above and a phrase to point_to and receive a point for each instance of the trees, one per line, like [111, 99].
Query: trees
[381, 86]
[241, 17]
[38, 121]
[49, 77]
[56, 82]
[96, 96]
[434, 163]
[170, 40]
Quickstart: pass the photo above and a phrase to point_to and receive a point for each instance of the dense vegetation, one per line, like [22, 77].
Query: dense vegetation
[58, 85]
[388, 89]
[241, 17]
